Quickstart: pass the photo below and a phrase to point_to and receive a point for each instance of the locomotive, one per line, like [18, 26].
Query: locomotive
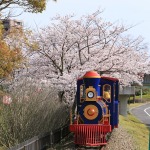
[97, 109]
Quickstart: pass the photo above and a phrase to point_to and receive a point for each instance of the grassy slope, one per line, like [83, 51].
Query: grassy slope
[138, 131]
[144, 97]
[147, 97]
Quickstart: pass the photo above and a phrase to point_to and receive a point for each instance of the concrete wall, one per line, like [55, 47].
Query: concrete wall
[129, 90]
[123, 104]
[124, 95]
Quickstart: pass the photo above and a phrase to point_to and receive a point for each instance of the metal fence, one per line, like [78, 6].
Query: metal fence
[44, 141]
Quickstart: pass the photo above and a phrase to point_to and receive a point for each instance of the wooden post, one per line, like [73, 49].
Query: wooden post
[51, 139]
[134, 98]
[61, 134]
[37, 144]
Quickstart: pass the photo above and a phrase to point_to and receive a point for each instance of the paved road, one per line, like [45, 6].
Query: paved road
[142, 113]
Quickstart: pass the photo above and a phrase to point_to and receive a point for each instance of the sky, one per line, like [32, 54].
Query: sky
[127, 12]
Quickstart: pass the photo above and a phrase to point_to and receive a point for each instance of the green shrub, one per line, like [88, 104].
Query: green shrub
[144, 92]
[137, 93]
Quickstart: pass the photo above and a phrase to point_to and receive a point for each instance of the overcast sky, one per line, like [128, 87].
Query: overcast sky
[128, 12]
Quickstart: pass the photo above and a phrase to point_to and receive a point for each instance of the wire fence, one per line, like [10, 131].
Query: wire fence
[44, 141]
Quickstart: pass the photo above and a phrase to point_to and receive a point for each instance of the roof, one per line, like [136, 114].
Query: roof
[109, 78]
[91, 74]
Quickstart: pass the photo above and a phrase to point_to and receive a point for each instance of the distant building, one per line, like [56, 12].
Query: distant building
[10, 24]
[146, 81]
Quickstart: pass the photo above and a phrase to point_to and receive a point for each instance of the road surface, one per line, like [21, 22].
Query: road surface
[142, 113]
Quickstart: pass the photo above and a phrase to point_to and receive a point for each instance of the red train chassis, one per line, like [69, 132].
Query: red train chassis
[90, 134]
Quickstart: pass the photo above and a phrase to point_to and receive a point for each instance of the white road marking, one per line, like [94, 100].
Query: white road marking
[145, 110]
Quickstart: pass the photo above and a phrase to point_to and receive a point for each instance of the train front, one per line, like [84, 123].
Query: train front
[91, 123]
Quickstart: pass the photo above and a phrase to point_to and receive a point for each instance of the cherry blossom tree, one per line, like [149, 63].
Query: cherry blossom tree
[68, 47]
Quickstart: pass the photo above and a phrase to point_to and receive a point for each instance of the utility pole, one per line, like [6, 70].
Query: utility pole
[141, 93]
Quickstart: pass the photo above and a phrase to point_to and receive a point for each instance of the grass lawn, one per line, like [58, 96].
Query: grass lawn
[130, 106]
[146, 97]
[137, 130]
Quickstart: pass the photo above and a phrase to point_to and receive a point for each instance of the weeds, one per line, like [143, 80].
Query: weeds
[34, 110]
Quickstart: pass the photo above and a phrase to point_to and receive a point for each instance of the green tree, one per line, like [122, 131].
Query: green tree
[33, 6]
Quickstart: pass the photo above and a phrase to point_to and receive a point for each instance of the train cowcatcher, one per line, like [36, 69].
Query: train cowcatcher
[97, 109]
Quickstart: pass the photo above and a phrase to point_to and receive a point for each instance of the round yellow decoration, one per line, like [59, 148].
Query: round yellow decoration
[90, 112]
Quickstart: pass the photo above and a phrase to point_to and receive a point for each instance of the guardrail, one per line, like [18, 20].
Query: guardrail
[44, 141]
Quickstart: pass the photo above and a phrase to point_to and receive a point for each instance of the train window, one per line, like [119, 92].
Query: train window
[107, 92]
[114, 90]
[82, 93]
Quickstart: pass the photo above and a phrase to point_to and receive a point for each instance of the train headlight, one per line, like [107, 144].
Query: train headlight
[90, 94]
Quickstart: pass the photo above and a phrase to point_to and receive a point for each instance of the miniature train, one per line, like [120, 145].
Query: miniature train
[97, 109]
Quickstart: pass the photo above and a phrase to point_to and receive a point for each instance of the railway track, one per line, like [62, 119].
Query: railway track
[68, 144]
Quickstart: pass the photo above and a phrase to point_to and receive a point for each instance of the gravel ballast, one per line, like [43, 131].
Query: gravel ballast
[120, 140]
